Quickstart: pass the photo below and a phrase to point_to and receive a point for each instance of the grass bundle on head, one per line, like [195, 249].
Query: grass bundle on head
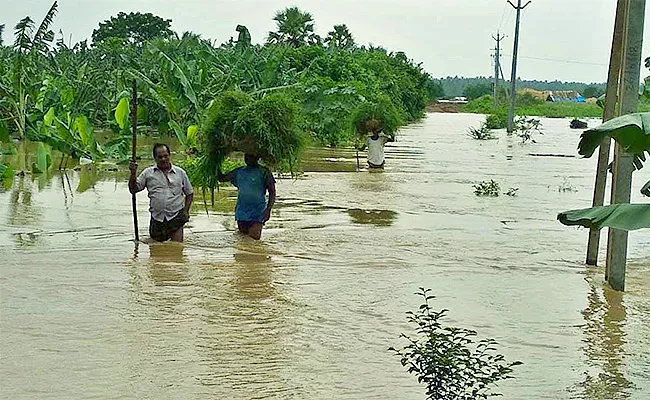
[235, 122]
[381, 116]
[217, 129]
[268, 127]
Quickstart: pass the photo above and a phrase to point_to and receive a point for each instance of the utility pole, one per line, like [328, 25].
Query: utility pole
[513, 75]
[497, 64]
[609, 112]
[623, 162]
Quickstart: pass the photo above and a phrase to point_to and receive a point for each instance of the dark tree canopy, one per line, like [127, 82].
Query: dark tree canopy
[134, 28]
[593, 91]
[477, 90]
[295, 28]
[340, 37]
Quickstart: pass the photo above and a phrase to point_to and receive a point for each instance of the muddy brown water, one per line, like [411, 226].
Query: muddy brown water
[310, 311]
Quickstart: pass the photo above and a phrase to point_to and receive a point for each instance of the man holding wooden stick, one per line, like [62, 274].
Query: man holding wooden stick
[170, 195]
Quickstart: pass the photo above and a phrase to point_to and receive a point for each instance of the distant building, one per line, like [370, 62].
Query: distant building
[565, 96]
[553, 96]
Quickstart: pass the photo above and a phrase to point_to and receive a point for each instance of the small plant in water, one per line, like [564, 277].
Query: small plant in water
[481, 133]
[526, 127]
[512, 192]
[448, 360]
[566, 186]
[489, 188]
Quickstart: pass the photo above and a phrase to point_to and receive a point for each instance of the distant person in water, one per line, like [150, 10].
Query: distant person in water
[252, 181]
[170, 195]
[375, 145]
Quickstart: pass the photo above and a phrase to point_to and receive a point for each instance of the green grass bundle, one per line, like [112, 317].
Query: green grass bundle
[382, 116]
[217, 129]
[267, 127]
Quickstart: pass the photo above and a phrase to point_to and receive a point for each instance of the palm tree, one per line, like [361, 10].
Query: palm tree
[295, 28]
[340, 38]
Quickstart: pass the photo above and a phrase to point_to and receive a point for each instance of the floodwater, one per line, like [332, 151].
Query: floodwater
[310, 311]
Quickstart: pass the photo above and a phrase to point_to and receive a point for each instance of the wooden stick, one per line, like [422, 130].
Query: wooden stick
[134, 141]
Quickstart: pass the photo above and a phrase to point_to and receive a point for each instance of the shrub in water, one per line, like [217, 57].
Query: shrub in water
[498, 120]
[448, 360]
[489, 188]
[481, 133]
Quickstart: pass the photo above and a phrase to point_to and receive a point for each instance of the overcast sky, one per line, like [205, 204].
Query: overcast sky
[559, 39]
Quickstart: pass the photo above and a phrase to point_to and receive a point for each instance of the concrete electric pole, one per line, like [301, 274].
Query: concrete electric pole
[513, 75]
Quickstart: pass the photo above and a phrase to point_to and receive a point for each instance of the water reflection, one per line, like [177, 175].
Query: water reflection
[167, 264]
[21, 209]
[604, 348]
[372, 217]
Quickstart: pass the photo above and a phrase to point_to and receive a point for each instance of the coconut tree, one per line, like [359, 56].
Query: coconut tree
[295, 28]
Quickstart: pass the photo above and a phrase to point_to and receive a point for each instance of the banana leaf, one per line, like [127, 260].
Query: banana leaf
[631, 131]
[627, 217]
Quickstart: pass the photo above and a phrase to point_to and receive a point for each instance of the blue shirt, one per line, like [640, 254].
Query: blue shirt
[251, 199]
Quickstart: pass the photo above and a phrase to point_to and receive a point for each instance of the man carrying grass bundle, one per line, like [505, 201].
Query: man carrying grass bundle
[375, 145]
[170, 195]
[252, 181]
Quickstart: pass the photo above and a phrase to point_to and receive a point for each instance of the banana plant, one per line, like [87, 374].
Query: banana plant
[19, 86]
[632, 133]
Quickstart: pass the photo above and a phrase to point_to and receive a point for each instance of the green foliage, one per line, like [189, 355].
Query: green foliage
[631, 131]
[269, 128]
[482, 105]
[489, 188]
[526, 127]
[593, 91]
[133, 28]
[476, 90]
[512, 192]
[340, 38]
[498, 120]
[177, 78]
[448, 359]
[626, 217]
[481, 133]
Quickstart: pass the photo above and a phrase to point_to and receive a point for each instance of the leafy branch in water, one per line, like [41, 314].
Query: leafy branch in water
[526, 127]
[448, 360]
[481, 133]
[489, 188]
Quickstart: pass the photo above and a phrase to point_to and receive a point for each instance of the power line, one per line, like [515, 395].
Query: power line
[559, 60]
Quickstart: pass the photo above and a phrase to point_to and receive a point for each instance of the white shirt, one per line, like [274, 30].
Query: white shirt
[165, 191]
[376, 150]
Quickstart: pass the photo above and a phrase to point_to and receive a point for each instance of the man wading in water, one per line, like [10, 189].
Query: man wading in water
[252, 181]
[375, 145]
[170, 195]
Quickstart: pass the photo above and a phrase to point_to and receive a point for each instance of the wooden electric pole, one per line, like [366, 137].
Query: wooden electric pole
[623, 162]
[513, 75]
[609, 112]
[497, 65]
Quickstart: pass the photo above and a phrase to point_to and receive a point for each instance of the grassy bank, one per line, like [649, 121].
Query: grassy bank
[532, 107]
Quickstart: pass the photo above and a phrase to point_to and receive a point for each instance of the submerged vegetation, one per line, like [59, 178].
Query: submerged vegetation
[448, 359]
[72, 97]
